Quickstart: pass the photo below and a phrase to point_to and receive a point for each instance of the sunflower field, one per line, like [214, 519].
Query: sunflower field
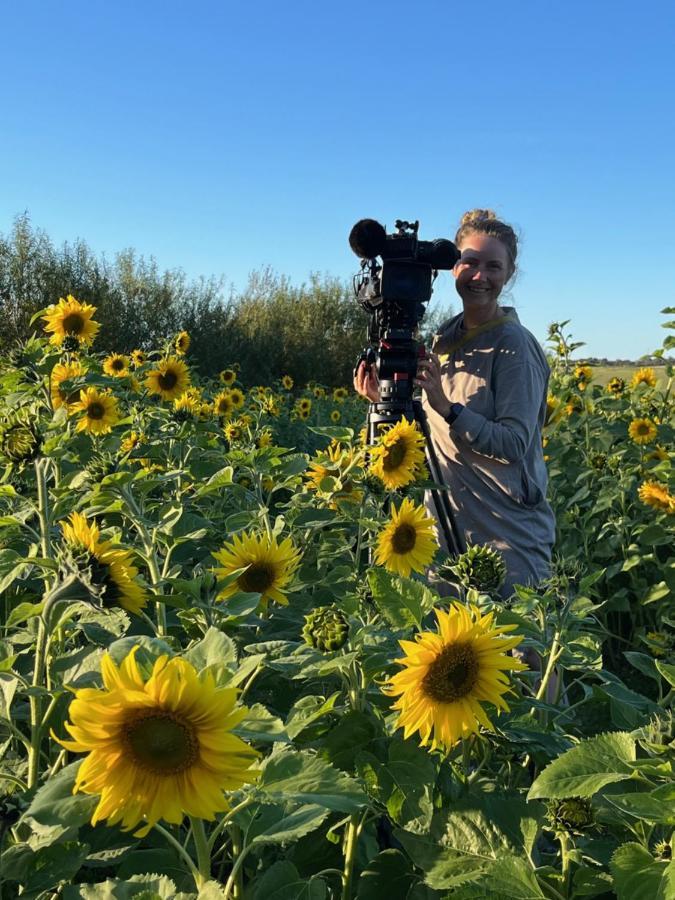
[226, 671]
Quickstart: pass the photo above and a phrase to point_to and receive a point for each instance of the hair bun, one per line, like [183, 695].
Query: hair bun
[478, 215]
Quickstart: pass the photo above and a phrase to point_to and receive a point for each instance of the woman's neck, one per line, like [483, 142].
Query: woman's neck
[475, 317]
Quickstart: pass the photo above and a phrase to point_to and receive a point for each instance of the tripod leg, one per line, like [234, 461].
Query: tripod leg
[444, 511]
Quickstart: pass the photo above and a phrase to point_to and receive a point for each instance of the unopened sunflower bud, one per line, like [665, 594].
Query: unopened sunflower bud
[599, 461]
[481, 568]
[326, 629]
[70, 344]
[573, 814]
[20, 441]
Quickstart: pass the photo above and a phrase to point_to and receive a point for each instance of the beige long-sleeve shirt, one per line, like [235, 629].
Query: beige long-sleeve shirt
[491, 457]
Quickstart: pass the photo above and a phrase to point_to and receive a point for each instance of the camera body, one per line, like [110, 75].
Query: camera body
[395, 293]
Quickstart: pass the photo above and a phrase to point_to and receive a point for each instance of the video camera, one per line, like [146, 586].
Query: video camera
[395, 293]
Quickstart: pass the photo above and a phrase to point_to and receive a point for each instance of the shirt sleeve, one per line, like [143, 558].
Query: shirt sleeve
[519, 383]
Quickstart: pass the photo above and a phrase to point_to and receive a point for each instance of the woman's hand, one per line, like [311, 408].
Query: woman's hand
[429, 379]
[367, 383]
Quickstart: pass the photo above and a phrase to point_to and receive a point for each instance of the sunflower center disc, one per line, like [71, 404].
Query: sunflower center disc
[404, 539]
[160, 742]
[257, 578]
[167, 380]
[453, 674]
[95, 410]
[643, 429]
[73, 323]
[118, 365]
[394, 456]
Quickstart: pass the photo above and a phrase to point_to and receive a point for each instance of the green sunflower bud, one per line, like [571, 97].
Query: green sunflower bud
[20, 441]
[326, 629]
[100, 465]
[481, 568]
[70, 344]
[573, 814]
[663, 850]
[599, 461]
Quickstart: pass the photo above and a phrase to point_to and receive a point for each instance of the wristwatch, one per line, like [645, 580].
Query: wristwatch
[455, 410]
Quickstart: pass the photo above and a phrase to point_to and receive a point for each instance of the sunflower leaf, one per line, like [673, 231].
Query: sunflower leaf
[279, 824]
[586, 768]
[638, 875]
[305, 778]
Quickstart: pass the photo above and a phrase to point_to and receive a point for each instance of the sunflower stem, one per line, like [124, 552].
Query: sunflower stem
[226, 819]
[351, 841]
[203, 852]
[36, 719]
[135, 515]
[43, 507]
[182, 852]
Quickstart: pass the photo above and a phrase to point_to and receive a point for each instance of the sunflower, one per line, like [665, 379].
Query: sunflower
[408, 542]
[186, 406]
[223, 407]
[319, 392]
[553, 410]
[335, 415]
[270, 405]
[137, 358]
[237, 397]
[113, 571]
[228, 377]
[583, 374]
[65, 372]
[659, 453]
[70, 318]
[642, 431]
[181, 343]
[265, 438]
[657, 495]
[340, 394]
[269, 566]
[303, 414]
[304, 404]
[287, 382]
[99, 411]
[448, 674]
[398, 455]
[234, 430]
[331, 475]
[615, 386]
[170, 379]
[116, 365]
[574, 404]
[158, 749]
[132, 441]
[644, 376]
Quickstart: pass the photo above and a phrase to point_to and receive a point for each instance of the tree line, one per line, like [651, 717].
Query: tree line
[311, 331]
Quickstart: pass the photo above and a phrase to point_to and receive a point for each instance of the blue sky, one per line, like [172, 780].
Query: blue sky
[220, 137]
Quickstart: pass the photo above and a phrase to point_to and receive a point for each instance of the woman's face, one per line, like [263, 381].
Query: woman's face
[482, 271]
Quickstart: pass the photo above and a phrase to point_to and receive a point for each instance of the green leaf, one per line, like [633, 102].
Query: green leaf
[658, 806]
[307, 710]
[55, 804]
[388, 875]
[467, 839]
[403, 602]
[509, 878]
[145, 887]
[404, 784]
[214, 652]
[282, 881]
[260, 725]
[279, 824]
[583, 770]
[305, 778]
[667, 671]
[637, 875]
[50, 866]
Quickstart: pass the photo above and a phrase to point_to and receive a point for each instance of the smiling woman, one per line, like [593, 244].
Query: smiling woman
[484, 391]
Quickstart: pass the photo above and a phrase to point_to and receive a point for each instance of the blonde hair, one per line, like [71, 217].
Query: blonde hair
[485, 221]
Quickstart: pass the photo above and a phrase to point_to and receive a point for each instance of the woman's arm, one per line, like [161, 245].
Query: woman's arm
[519, 383]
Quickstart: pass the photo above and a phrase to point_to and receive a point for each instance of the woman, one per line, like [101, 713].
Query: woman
[484, 392]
